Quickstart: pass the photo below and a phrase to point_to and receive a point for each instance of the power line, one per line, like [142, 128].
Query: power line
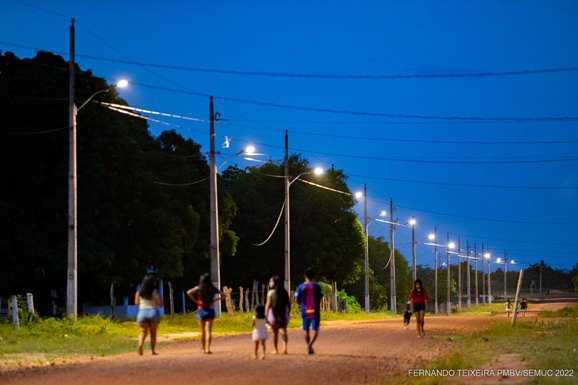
[465, 184]
[489, 219]
[318, 75]
[352, 112]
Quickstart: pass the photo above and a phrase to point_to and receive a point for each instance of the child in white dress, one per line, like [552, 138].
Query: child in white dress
[260, 332]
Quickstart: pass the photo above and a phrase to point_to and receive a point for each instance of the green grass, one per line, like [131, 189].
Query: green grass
[547, 342]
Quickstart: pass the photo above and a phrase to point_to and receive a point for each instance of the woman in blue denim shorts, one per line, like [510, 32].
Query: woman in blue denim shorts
[204, 296]
[148, 318]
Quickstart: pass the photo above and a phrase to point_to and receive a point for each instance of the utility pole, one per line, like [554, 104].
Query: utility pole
[476, 262]
[483, 277]
[72, 255]
[459, 274]
[541, 266]
[392, 259]
[469, 290]
[448, 303]
[490, 280]
[436, 270]
[287, 219]
[413, 259]
[215, 257]
[366, 261]
[505, 275]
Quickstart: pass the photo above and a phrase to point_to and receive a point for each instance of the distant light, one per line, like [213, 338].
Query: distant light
[499, 260]
[122, 83]
[383, 213]
[318, 171]
[358, 194]
[487, 255]
[431, 237]
[412, 222]
[452, 245]
[250, 150]
[512, 262]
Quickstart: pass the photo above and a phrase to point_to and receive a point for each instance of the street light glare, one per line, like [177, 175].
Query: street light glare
[499, 260]
[358, 194]
[122, 83]
[383, 213]
[318, 171]
[250, 150]
[451, 245]
[412, 222]
[487, 255]
[431, 237]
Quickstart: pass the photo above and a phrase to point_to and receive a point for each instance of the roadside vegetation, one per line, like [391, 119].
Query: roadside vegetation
[544, 343]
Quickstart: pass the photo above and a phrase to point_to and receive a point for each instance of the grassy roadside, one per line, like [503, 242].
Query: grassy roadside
[548, 343]
[43, 341]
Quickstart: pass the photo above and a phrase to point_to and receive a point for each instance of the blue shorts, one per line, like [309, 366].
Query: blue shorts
[148, 316]
[418, 307]
[311, 322]
[205, 314]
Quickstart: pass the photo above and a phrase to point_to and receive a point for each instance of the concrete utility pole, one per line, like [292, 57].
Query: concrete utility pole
[215, 256]
[287, 219]
[393, 304]
[436, 309]
[366, 259]
[459, 274]
[448, 303]
[72, 271]
[413, 245]
[505, 274]
[476, 279]
[483, 277]
[469, 289]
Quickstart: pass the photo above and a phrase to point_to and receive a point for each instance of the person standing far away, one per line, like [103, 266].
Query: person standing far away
[260, 334]
[204, 296]
[148, 300]
[277, 309]
[419, 298]
[309, 295]
[508, 307]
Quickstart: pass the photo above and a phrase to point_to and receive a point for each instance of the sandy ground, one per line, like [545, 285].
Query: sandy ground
[346, 353]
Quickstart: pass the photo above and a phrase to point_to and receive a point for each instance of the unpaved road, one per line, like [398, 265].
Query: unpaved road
[346, 353]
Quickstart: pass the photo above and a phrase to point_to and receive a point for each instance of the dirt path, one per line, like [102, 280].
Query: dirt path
[346, 353]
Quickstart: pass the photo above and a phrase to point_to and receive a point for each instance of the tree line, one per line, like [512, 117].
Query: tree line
[134, 213]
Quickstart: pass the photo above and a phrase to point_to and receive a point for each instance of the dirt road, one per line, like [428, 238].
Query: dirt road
[346, 353]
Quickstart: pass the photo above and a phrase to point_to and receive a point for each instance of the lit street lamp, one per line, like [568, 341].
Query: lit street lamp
[505, 263]
[449, 245]
[72, 247]
[488, 256]
[413, 259]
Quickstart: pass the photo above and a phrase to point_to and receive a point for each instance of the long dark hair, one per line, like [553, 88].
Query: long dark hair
[415, 291]
[279, 301]
[148, 286]
[260, 312]
[206, 291]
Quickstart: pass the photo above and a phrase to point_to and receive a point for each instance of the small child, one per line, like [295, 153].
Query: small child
[407, 315]
[260, 333]
[508, 307]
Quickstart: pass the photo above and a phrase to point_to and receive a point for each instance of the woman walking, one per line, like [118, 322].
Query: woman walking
[419, 298]
[204, 296]
[148, 300]
[278, 308]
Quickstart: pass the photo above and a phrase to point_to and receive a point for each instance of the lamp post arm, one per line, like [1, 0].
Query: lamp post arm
[92, 97]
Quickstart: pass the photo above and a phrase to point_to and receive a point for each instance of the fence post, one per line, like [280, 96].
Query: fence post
[183, 295]
[241, 299]
[520, 277]
[171, 299]
[112, 301]
[15, 319]
[247, 308]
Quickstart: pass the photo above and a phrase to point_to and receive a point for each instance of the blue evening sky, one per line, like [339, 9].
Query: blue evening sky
[485, 158]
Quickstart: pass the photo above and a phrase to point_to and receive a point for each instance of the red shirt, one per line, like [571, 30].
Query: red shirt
[420, 298]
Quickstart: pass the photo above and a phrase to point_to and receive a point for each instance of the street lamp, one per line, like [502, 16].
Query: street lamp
[72, 248]
[288, 183]
[505, 263]
[488, 256]
[366, 220]
[414, 269]
[449, 245]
